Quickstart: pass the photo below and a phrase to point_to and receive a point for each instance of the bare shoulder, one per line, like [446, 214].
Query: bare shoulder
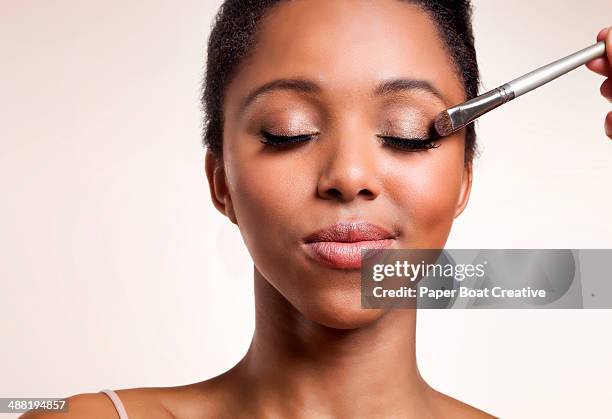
[205, 399]
[91, 405]
[453, 408]
[138, 402]
[211, 398]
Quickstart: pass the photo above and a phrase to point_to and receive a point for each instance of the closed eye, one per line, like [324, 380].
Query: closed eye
[408, 144]
[404, 144]
[282, 140]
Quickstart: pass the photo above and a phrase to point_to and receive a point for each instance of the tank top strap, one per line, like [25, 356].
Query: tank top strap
[117, 402]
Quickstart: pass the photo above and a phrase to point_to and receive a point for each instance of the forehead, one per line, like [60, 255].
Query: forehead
[347, 46]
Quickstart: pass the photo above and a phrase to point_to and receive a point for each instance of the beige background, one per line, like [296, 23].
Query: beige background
[116, 271]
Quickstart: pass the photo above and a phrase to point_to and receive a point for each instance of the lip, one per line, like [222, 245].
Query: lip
[340, 244]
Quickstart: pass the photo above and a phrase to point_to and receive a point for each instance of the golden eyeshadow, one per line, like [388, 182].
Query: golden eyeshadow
[406, 123]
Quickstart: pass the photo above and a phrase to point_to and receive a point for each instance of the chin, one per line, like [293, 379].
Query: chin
[339, 310]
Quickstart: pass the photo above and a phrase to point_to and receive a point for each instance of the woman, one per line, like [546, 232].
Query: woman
[318, 116]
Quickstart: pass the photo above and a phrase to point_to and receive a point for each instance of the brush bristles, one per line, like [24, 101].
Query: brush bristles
[443, 124]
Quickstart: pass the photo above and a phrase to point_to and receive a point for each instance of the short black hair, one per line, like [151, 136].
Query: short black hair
[233, 35]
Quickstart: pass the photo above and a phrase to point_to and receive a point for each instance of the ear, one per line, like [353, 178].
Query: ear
[217, 184]
[466, 188]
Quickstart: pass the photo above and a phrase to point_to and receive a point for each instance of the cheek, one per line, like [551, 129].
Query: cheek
[428, 193]
[268, 195]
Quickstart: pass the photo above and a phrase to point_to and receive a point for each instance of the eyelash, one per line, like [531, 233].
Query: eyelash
[409, 144]
[283, 140]
[404, 144]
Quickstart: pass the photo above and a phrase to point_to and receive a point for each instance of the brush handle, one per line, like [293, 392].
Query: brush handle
[465, 113]
[549, 72]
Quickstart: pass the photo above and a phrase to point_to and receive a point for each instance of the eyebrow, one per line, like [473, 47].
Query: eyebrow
[305, 86]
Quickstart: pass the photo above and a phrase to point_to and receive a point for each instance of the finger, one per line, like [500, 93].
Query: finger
[600, 66]
[602, 34]
[609, 47]
[609, 125]
[603, 65]
[606, 89]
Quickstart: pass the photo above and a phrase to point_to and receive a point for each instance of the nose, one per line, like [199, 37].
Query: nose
[350, 170]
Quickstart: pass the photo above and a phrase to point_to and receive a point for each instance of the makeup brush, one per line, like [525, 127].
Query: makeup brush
[459, 116]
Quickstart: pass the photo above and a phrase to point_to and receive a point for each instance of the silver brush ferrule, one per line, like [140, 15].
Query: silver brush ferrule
[461, 115]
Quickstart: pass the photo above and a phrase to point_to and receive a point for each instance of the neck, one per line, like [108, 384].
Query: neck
[295, 363]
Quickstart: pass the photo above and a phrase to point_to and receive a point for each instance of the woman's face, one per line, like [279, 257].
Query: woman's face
[366, 69]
